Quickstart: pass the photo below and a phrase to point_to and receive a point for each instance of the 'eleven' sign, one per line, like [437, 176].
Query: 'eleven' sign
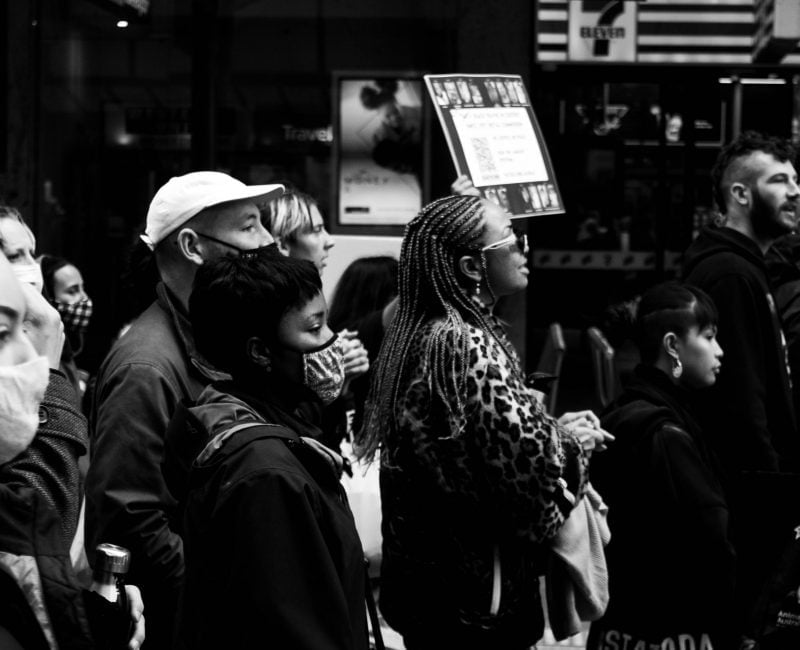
[602, 30]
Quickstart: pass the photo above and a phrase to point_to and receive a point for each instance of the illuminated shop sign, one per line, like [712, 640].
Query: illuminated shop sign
[600, 30]
[662, 31]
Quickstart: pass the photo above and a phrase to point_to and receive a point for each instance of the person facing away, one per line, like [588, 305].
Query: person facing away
[42, 436]
[671, 562]
[474, 474]
[748, 416]
[192, 220]
[272, 552]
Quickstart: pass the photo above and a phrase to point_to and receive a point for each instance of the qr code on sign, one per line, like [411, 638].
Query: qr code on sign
[484, 156]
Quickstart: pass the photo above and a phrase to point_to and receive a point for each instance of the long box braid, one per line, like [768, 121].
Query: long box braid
[430, 287]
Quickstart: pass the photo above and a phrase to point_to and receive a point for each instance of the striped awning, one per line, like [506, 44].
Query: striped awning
[667, 31]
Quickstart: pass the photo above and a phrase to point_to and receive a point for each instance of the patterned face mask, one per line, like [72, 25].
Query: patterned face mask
[323, 369]
[76, 316]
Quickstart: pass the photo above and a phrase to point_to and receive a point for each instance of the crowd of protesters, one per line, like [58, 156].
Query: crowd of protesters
[208, 443]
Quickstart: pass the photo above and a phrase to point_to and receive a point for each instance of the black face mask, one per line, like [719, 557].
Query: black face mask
[270, 250]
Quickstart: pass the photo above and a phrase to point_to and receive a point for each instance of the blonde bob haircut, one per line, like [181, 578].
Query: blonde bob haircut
[289, 215]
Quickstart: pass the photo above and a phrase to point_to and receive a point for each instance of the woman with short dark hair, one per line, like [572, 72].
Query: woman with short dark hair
[670, 559]
[272, 553]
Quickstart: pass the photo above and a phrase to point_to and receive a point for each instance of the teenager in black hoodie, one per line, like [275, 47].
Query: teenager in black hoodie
[749, 417]
[670, 560]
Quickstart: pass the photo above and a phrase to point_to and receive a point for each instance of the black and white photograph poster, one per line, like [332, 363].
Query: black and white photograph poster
[380, 157]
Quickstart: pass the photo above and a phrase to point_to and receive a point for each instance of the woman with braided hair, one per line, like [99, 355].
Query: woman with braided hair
[475, 476]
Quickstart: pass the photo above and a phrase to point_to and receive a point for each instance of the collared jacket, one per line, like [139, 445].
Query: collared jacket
[470, 500]
[271, 547]
[149, 371]
[40, 598]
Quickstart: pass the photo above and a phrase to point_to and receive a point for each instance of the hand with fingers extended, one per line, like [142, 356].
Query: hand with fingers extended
[585, 426]
[463, 186]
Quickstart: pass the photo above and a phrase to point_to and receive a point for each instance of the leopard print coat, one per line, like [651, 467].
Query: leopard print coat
[457, 493]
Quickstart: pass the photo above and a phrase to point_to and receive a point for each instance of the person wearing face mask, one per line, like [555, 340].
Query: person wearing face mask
[271, 548]
[42, 435]
[295, 220]
[192, 219]
[19, 246]
[63, 286]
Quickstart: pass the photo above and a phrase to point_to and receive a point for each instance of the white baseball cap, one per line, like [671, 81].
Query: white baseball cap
[182, 197]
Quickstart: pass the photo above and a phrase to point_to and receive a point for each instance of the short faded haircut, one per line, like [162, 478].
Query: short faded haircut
[733, 166]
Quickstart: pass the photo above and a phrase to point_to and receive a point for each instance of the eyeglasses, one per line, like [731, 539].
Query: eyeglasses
[516, 238]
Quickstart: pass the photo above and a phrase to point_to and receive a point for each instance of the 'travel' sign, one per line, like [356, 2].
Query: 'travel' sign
[602, 30]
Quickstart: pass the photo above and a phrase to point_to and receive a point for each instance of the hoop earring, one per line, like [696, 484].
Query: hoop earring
[677, 369]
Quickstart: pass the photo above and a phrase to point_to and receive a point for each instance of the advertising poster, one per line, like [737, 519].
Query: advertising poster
[380, 158]
[494, 139]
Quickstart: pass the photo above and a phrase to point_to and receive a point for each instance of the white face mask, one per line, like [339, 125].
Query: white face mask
[21, 392]
[29, 273]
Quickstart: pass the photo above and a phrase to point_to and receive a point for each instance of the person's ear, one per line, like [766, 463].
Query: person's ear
[259, 354]
[470, 268]
[740, 193]
[190, 246]
[282, 247]
[670, 344]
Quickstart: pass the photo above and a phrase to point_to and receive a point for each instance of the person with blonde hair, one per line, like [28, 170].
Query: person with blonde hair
[296, 223]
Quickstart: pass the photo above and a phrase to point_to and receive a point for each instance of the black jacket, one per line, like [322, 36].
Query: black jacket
[271, 548]
[783, 267]
[670, 559]
[148, 372]
[749, 414]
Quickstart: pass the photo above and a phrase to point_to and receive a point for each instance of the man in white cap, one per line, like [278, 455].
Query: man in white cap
[153, 367]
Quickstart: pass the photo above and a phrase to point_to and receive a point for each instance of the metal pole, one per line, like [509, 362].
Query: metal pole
[736, 118]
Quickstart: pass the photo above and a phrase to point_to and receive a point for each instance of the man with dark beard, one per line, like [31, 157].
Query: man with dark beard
[748, 414]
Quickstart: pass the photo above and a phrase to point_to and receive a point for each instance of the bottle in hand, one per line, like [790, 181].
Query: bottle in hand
[107, 600]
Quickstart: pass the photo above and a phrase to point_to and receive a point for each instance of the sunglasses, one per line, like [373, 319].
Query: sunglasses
[516, 238]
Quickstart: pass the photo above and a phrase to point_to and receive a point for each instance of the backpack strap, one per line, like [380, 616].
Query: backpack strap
[270, 431]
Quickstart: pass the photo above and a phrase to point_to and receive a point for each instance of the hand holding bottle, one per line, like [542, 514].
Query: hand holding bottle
[115, 609]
